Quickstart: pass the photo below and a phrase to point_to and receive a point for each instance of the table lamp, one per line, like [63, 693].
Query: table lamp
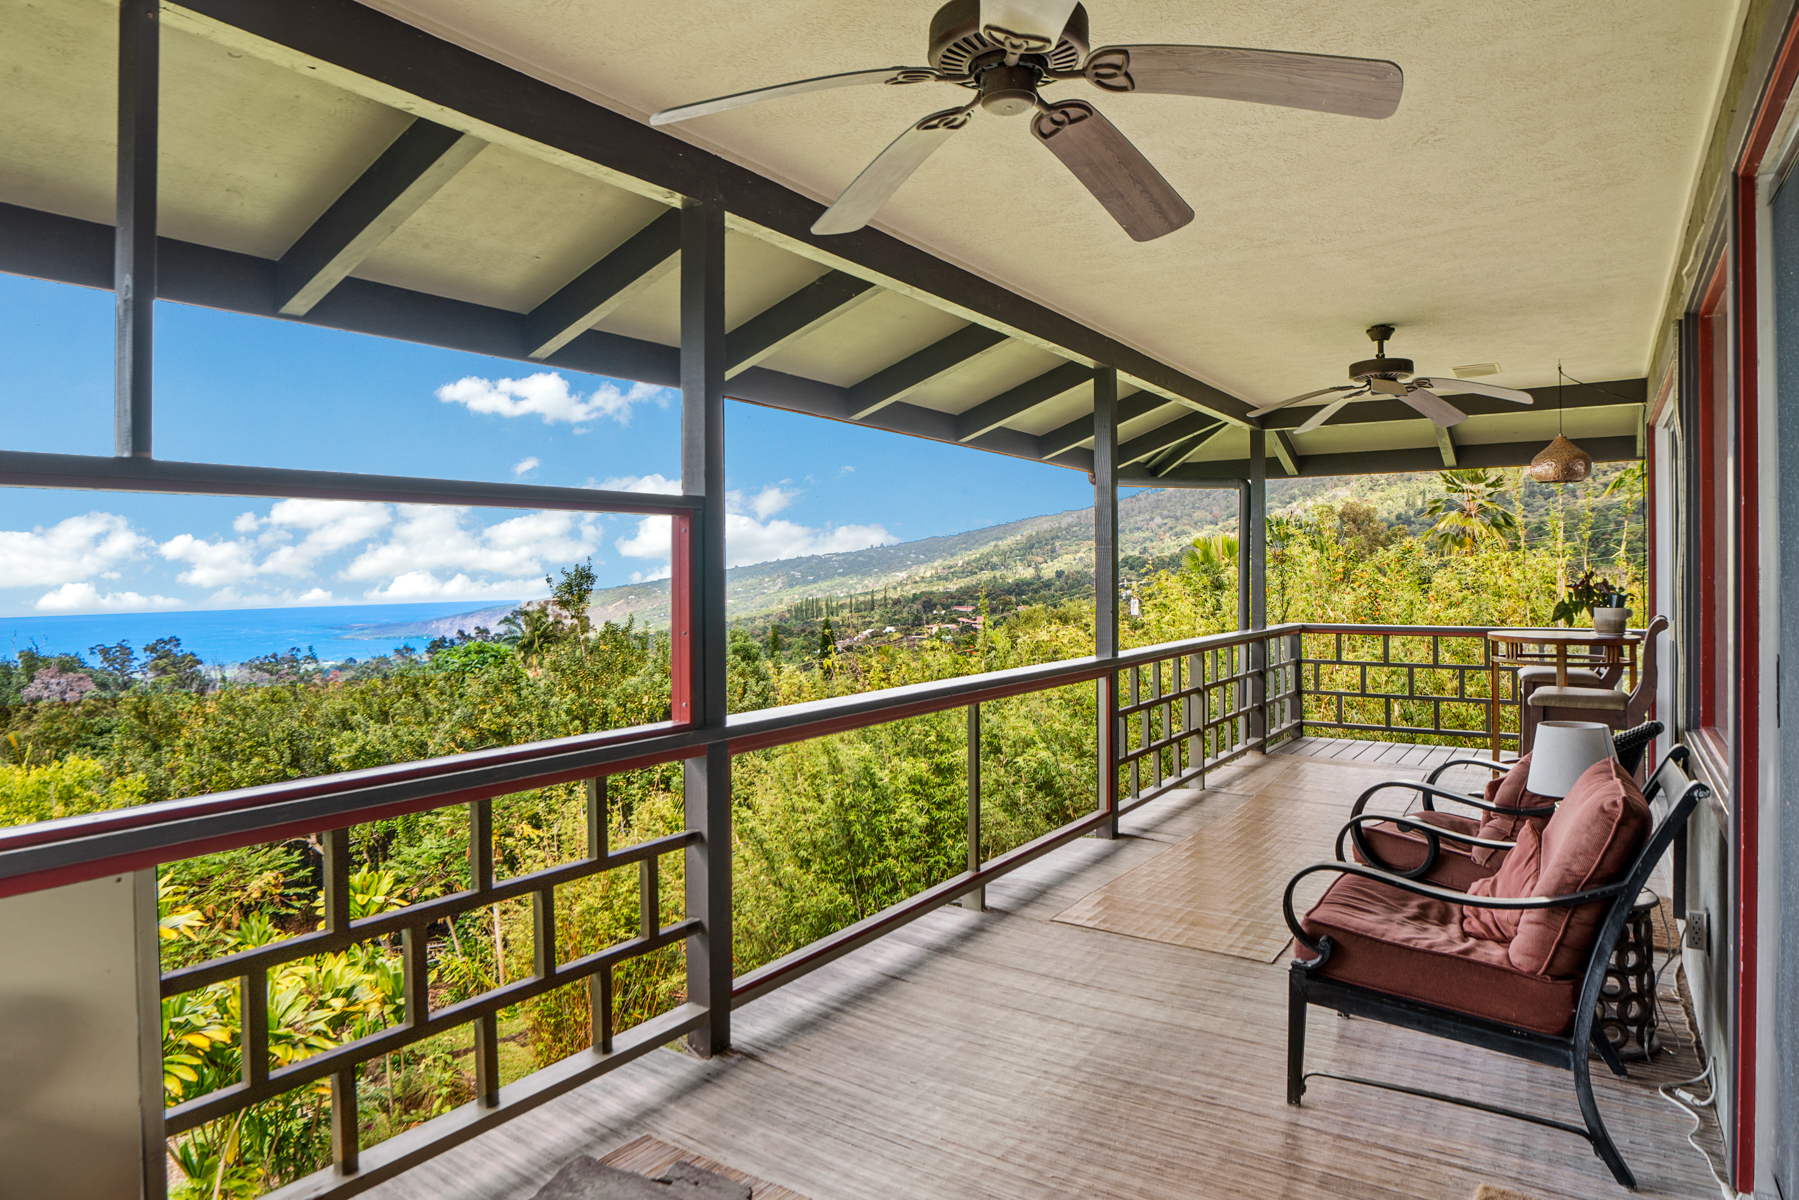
[1562, 752]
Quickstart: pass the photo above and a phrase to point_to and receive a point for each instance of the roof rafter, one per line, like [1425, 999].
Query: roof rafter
[788, 320]
[991, 414]
[381, 57]
[1164, 436]
[584, 301]
[1282, 445]
[1064, 438]
[409, 172]
[915, 370]
[1445, 445]
[1481, 455]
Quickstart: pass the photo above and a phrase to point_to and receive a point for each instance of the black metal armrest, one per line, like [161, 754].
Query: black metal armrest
[1433, 835]
[1447, 895]
[1427, 791]
[1490, 764]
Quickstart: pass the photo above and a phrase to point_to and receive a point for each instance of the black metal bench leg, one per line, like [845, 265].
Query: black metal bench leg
[1608, 1052]
[1602, 1141]
[1296, 1036]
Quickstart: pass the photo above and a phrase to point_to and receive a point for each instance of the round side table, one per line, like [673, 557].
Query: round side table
[1627, 1010]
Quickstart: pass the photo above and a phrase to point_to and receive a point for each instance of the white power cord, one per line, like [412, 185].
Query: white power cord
[1690, 1104]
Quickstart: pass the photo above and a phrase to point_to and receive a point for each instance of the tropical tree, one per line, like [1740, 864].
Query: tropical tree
[1469, 512]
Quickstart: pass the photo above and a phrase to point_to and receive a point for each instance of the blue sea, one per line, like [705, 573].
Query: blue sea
[335, 632]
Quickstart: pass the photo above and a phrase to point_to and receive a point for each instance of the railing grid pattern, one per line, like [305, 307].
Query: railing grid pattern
[1397, 679]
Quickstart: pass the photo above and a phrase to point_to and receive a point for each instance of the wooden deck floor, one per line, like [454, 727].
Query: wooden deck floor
[1005, 1055]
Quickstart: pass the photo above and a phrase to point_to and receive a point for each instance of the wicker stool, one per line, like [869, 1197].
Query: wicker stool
[1627, 1008]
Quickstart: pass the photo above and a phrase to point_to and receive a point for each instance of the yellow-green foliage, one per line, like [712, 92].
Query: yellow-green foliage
[65, 788]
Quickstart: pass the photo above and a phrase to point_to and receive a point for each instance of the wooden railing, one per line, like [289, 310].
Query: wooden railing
[1170, 713]
[1431, 683]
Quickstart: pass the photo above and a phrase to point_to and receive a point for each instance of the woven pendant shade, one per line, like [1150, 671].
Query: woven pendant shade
[1561, 461]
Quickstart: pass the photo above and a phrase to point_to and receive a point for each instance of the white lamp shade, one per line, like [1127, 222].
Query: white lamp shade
[1562, 752]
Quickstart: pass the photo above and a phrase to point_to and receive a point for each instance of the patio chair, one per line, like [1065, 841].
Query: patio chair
[1498, 968]
[1579, 702]
[1405, 845]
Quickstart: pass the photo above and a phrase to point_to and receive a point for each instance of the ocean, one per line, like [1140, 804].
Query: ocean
[231, 635]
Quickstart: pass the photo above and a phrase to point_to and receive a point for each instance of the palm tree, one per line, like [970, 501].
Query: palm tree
[1469, 513]
[1217, 551]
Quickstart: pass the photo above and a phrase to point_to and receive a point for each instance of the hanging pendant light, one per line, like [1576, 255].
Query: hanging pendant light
[1561, 461]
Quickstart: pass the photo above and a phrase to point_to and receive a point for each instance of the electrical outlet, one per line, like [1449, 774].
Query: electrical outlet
[1698, 933]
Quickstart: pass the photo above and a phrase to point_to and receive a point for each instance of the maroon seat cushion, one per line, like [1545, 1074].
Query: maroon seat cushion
[1404, 849]
[1414, 947]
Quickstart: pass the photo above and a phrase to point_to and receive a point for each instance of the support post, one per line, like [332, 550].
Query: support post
[1105, 585]
[975, 898]
[1251, 545]
[706, 779]
[134, 221]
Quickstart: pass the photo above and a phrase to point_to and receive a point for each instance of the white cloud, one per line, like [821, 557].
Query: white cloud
[212, 564]
[750, 537]
[846, 470]
[428, 537]
[82, 597]
[69, 551]
[332, 525]
[547, 395]
[764, 504]
[424, 585]
[661, 485]
[525, 465]
[230, 596]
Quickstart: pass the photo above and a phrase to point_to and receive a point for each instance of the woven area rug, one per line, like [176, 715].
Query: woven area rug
[1220, 889]
[1487, 1191]
[651, 1156]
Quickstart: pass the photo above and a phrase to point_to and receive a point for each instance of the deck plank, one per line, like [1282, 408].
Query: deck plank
[1007, 1056]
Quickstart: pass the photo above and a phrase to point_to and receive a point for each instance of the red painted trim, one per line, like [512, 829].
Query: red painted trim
[1747, 734]
[1746, 795]
[681, 620]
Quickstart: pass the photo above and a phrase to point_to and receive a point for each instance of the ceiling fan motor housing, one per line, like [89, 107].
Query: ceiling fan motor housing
[1381, 368]
[958, 45]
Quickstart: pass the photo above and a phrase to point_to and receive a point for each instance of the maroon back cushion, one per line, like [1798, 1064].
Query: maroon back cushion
[1594, 837]
[1515, 879]
[1508, 792]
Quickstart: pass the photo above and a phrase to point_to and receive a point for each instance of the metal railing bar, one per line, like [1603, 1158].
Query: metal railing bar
[425, 912]
[225, 1101]
[404, 1151]
[827, 949]
[20, 468]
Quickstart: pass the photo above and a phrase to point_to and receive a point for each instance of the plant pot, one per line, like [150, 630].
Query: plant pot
[1610, 621]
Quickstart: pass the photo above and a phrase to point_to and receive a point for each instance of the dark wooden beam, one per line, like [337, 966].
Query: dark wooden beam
[68, 250]
[1105, 587]
[409, 172]
[401, 57]
[134, 217]
[811, 308]
[991, 414]
[1059, 441]
[915, 370]
[1282, 446]
[1604, 394]
[580, 304]
[1481, 456]
[1164, 436]
[1167, 460]
[1445, 445]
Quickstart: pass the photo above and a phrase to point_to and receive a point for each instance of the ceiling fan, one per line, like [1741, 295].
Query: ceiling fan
[1005, 50]
[1394, 377]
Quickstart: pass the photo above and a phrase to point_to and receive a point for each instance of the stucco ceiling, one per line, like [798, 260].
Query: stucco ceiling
[1522, 207]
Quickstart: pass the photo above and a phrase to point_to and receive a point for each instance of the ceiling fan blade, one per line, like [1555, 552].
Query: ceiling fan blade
[1324, 414]
[683, 112]
[1026, 26]
[1439, 410]
[1280, 404]
[891, 167]
[1354, 87]
[1479, 389]
[1115, 171]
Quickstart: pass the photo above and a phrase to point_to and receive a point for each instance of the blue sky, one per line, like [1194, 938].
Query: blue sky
[236, 389]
